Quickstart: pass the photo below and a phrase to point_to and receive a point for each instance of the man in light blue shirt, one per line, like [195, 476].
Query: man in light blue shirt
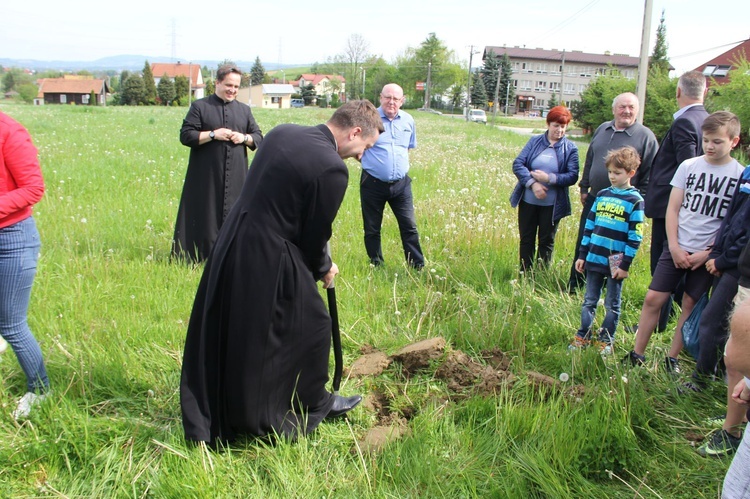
[385, 179]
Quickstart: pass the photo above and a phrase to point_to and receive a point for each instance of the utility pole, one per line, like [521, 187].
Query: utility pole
[364, 74]
[507, 96]
[427, 86]
[640, 88]
[497, 92]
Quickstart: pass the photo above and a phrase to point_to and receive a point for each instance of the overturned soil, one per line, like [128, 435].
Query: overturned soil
[463, 375]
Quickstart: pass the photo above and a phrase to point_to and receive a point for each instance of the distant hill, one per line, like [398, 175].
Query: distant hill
[124, 62]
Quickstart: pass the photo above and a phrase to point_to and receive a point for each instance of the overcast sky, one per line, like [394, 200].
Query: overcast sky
[288, 32]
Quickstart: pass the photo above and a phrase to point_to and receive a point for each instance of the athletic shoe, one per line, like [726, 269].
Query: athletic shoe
[720, 444]
[672, 365]
[715, 421]
[578, 343]
[23, 409]
[3, 345]
[634, 359]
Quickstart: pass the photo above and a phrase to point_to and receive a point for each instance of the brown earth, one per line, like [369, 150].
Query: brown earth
[463, 375]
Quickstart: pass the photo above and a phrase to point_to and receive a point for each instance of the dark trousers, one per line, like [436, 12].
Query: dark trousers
[374, 194]
[713, 328]
[535, 222]
[576, 278]
[658, 244]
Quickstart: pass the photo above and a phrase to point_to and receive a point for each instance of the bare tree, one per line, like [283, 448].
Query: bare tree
[355, 54]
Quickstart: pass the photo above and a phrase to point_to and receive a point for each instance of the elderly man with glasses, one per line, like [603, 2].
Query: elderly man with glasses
[385, 179]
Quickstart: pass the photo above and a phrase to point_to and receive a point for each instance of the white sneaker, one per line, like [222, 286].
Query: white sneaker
[23, 409]
[3, 345]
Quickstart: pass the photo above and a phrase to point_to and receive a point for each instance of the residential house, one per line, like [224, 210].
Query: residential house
[267, 95]
[191, 71]
[540, 73]
[72, 89]
[717, 69]
[325, 85]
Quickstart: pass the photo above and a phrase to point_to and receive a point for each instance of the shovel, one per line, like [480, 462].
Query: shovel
[336, 338]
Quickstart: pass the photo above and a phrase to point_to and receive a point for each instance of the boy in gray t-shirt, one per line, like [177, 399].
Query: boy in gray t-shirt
[702, 188]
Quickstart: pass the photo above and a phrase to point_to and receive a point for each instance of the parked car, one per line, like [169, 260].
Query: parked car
[297, 103]
[478, 116]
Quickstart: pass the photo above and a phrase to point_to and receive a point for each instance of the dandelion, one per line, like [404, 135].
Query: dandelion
[83, 221]
[564, 377]
[624, 379]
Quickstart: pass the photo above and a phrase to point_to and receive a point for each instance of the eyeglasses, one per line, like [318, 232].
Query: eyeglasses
[390, 98]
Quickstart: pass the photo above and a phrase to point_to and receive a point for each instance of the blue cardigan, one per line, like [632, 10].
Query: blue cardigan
[567, 159]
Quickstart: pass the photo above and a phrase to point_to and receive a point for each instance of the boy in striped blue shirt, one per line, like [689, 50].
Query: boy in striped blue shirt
[613, 233]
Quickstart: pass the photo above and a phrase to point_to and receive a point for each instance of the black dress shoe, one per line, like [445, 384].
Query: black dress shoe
[342, 405]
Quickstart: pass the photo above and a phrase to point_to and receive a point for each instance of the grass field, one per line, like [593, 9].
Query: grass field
[110, 312]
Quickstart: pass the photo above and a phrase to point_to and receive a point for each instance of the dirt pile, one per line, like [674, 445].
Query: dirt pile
[463, 375]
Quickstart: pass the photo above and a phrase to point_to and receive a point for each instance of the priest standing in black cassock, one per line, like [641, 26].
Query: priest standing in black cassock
[219, 130]
[258, 341]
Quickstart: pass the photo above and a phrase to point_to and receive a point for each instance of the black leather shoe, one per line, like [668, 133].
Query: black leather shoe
[342, 405]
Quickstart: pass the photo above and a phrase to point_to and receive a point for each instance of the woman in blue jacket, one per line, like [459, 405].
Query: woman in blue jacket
[545, 168]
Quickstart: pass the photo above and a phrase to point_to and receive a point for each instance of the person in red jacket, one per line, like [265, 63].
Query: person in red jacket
[21, 186]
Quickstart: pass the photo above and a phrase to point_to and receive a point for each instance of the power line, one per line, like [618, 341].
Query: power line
[567, 21]
[706, 50]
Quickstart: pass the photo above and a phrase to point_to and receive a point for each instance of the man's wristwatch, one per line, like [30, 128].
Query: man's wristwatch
[211, 135]
[247, 138]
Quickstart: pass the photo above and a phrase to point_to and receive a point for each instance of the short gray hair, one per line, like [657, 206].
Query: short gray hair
[693, 84]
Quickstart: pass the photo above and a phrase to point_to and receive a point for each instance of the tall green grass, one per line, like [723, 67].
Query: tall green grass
[110, 311]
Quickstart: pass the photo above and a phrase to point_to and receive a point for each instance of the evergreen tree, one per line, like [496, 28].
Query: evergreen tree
[552, 101]
[478, 92]
[123, 78]
[92, 98]
[490, 70]
[257, 72]
[181, 87]
[506, 81]
[134, 91]
[308, 94]
[659, 59]
[9, 81]
[166, 90]
[149, 85]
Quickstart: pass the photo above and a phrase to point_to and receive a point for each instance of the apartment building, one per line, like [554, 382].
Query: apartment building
[539, 73]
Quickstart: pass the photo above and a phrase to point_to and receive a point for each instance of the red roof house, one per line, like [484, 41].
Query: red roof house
[717, 69]
[72, 89]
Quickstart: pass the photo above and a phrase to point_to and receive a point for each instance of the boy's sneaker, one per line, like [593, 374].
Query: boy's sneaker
[578, 343]
[605, 349]
[634, 359]
[720, 444]
[672, 365]
[23, 409]
[715, 421]
[3, 345]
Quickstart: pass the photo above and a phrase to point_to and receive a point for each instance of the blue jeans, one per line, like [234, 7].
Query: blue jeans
[374, 194]
[19, 251]
[595, 281]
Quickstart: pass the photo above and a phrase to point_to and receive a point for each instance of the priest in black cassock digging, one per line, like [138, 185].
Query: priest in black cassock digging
[258, 340]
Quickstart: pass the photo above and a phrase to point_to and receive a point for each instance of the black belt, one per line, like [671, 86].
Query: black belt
[389, 182]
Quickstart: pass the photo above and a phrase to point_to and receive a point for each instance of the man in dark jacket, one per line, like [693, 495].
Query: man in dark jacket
[258, 340]
[682, 141]
[219, 130]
